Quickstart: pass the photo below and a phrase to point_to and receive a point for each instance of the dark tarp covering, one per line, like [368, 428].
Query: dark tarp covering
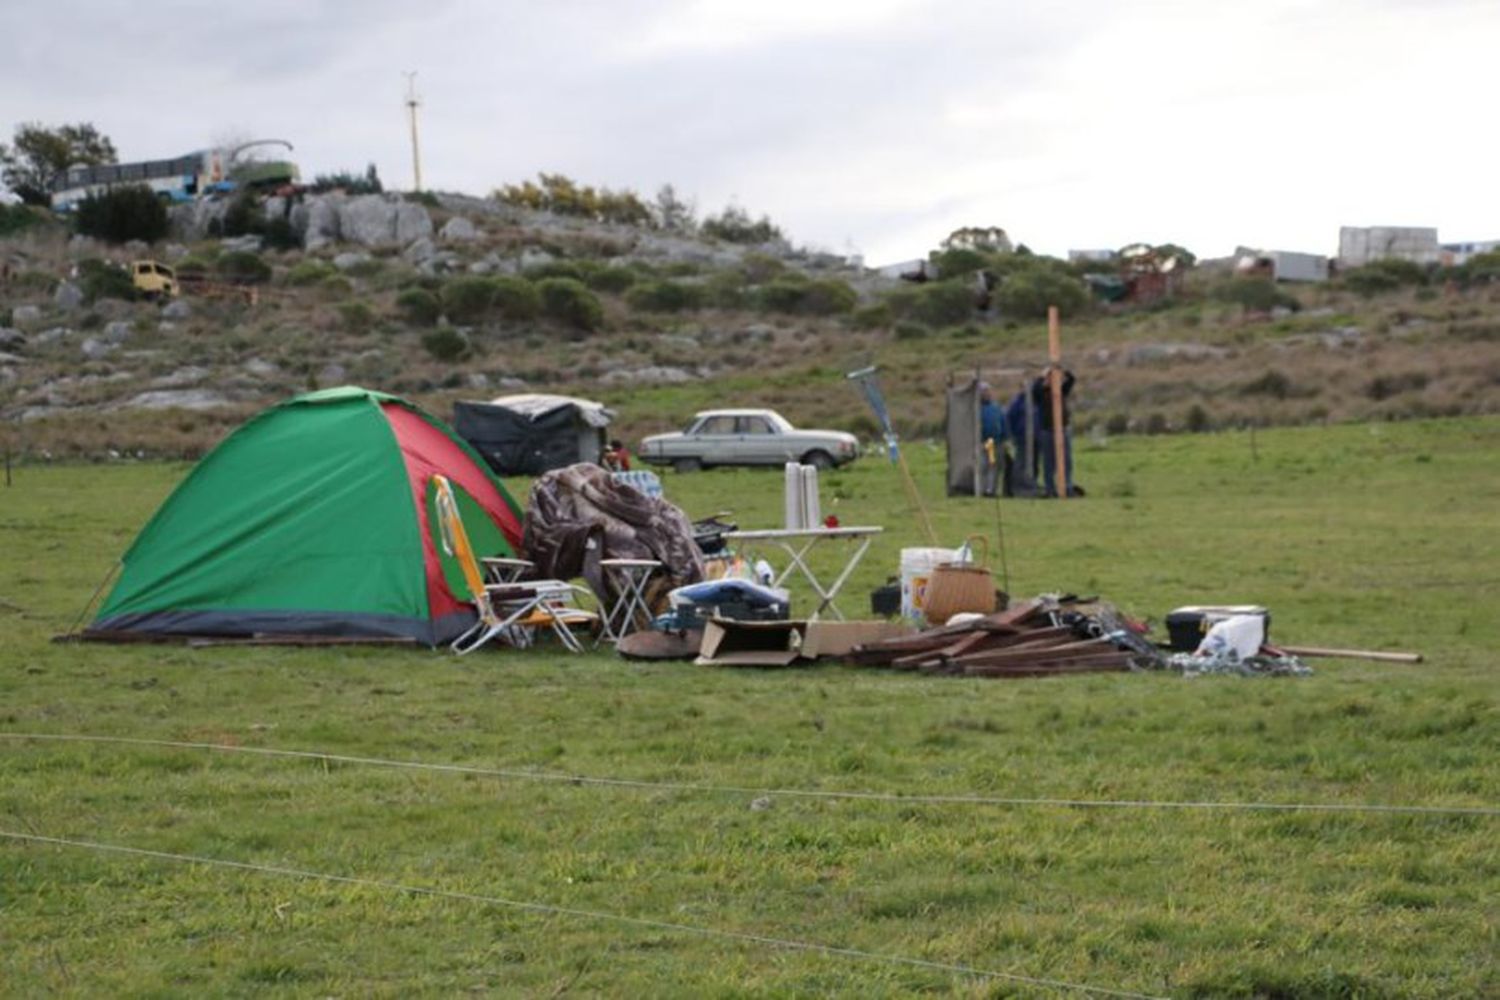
[579, 515]
[965, 464]
[527, 439]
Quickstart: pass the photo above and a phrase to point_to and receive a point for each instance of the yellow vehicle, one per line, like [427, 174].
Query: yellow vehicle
[153, 280]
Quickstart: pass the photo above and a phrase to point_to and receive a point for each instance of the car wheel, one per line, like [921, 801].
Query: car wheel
[818, 460]
[686, 464]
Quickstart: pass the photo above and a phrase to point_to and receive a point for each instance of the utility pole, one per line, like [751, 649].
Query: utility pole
[411, 107]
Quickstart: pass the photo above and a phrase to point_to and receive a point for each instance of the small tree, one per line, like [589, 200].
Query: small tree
[38, 154]
[121, 214]
[734, 225]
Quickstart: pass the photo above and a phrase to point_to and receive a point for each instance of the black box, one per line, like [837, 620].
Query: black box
[1187, 626]
[697, 615]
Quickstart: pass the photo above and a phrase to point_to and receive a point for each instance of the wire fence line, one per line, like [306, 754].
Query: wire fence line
[558, 777]
[790, 944]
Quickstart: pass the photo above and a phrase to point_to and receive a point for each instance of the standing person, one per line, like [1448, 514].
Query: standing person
[1020, 422]
[992, 437]
[1041, 398]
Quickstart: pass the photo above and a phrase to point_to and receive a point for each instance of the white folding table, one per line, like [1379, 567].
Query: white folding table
[800, 541]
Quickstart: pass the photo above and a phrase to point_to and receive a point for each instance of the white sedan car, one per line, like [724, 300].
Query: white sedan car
[747, 437]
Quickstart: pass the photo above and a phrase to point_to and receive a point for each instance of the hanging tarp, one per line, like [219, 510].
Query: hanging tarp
[532, 433]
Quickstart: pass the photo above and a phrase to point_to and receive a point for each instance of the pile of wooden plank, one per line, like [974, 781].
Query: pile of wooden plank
[1035, 638]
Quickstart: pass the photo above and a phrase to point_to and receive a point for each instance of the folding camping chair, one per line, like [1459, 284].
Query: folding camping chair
[512, 611]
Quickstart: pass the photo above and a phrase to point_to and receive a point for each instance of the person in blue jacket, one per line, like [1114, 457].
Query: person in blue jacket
[1020, 422]
[991, 437]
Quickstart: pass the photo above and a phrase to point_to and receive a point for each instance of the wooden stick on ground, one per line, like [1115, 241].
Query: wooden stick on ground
[1352, 654]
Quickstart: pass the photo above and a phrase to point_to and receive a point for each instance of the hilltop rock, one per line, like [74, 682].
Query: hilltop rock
[1148, 353]
[68, 296]
[10, 338]
[26, 316]
[178, 309]
[317, 219]
[648, 373]
[349, 261]
[182, 399]
[117, 332]
[249, 243]
[458, 230]
[94, 349]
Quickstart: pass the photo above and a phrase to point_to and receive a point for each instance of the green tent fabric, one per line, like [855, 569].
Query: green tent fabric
[311, 520]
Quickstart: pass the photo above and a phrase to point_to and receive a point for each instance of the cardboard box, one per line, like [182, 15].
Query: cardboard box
[780, 644]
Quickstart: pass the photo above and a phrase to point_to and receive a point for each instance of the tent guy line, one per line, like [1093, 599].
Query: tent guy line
[568, 911]
[807, 793]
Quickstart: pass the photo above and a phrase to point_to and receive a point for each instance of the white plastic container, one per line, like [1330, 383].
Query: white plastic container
[812, 504]
[796, 513]
[916, 569]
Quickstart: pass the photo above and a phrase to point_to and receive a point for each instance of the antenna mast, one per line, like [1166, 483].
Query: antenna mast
[411, 107]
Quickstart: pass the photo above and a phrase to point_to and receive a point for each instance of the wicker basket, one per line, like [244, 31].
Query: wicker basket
[955, 588]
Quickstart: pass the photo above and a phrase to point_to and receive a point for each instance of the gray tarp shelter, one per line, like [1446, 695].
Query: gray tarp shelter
[532, 433]
[965, 448]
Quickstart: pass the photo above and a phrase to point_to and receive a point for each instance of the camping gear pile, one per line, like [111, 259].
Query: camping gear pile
[579, 516]
[1042, 637]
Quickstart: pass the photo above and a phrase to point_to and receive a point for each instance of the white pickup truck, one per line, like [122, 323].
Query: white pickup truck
[747, 437]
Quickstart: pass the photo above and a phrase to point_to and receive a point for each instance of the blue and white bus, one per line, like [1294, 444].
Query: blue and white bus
[193, 175]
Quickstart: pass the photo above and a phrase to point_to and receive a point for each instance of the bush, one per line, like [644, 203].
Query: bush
[907, 330]
[336, 286]
[605, 278]
[1255, 294]
[808, 298]
[569, 301]
[1384, 275]
[447, 344]
[244, 267]
[305, 272]
[734, 225]
[959, 262]
[875, 317]
[1197, 420]
[1027, 293]
[515, 298]
[940, 303]
[356, 317]
[665, 296]
[14, 218]
[725, 290]
[759, 268]
[468, 300]
[122, 214]
[554, 269]
[418, 306]
[99, 279]
[561, 195]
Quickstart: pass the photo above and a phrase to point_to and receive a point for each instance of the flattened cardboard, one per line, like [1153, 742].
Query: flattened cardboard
[780, 644]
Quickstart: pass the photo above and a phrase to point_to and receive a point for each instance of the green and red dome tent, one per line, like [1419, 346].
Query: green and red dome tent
[315, 518]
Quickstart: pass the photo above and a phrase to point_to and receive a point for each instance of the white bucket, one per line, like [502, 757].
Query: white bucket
[916, 568]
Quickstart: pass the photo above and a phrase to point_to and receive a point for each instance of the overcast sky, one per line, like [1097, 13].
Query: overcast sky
[874, 127]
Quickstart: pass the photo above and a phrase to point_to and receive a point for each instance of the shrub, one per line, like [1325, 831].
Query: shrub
[759, 268]
[734, 225]
[336, 286]
[940, 303]
[14, 218]
[725, 290]
[515, 298]
[1027, 293]
[561, 195]
[959, 262]
[447, 344]
[1197, 420]
[907, 330]
[874, 317]
[1384, 275]
[665, 296]
[468, 299]
[418, 306]
[569, 301]
[244, 267]
[306, 272]
[243, 216]
[99, 279]
[356, 317]
[1255, 294]
[554, 269]
[122, 214]
[809, 298]
[1273, 383]
[605, 278]
[829, 297]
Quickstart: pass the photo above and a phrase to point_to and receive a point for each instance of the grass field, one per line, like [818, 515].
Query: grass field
[1378, 536]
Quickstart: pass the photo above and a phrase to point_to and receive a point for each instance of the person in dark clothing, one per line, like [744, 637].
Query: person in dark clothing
[1020, 422]
[1041, 397]
[616, 457]
[991, 437]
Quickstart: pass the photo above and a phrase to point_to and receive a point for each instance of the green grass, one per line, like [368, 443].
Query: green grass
[1375, 536]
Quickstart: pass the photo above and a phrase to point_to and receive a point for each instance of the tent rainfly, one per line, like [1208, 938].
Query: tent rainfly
[533, 433]
[313, 519]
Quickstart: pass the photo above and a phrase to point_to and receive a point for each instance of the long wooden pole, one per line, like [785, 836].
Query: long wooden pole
[1059, 442]
[1353, 654]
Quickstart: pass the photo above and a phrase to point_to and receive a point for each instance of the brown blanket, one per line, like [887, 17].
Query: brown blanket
[578, 515]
